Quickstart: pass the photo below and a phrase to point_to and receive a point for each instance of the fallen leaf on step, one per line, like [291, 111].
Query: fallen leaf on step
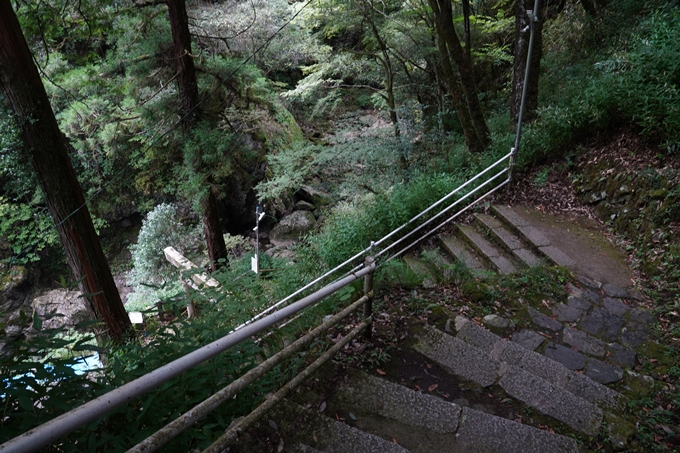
[272, 423]
[280, 447]
[380, 372]
[394, 439]
[352, 416]
[432, 387]
[338, 418]
[314, 436]
[322, 406]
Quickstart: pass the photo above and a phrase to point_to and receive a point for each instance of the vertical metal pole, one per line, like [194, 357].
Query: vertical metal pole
[257, 238]
[533, 18]
[368, 291]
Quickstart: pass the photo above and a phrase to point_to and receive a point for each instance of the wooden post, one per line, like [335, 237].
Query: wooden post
[368, 291]
[161, 314]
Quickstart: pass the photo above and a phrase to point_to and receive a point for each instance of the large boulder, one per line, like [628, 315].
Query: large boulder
[61, 307]
[292, 227]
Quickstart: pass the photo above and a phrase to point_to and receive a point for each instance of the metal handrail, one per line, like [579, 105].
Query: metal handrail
[172, 429]
[77, 417]
[68, 422]
[53, 430]
[374, 244]
[488, 181]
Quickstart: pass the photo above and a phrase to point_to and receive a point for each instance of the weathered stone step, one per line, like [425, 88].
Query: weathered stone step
[420, 268]
[488, 361]
[428, 424]
[508, 240]
[551, 400]
[488, 250]
[532, 235]
[304, 427]
[302, 448]
[457, 249]
[537, 364]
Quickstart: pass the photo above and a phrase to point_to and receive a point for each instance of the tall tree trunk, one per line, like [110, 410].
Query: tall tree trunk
[188, 89]
[453, 85]
[521, 51]
[443, 15]
[26, 94]
[466, 22]
[386, 62]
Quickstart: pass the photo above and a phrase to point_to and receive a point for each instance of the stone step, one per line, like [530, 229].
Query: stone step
[460, 251]
[440, 263]
[310, 431]
[486, 249]
[302, 448]
[428, 424]
[420, 268]
[538, 364]
[479, 356]
[508, 240]
[552, 401]
[532, 235]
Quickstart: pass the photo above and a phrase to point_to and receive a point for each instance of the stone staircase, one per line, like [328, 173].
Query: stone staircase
[502, 242]
[474, 387]
[470, 385]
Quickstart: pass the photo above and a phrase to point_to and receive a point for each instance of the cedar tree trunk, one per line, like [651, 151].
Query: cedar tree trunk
[188, 89]
[26, 94]
[453, 54]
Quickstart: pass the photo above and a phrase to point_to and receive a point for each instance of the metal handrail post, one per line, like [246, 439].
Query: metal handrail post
[533, 18]
[368, 292]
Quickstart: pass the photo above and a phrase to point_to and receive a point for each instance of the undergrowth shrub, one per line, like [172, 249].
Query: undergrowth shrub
[646, 79]
[635, 80]
[152, 276]
[352, 226]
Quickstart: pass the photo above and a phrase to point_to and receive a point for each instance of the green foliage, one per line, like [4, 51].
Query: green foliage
[31, 397]
[27, 228]
[28, 394]
[396, 272]
[353, 226]
[290, 168]
[152, 276]
[635, 81]
[18, 180]
[646, 79]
